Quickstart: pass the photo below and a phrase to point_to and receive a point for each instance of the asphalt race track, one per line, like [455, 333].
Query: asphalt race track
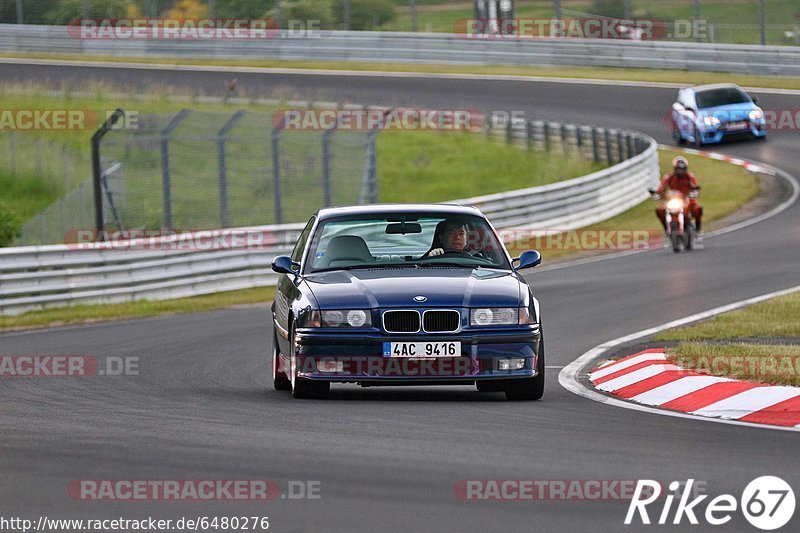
[202, 405]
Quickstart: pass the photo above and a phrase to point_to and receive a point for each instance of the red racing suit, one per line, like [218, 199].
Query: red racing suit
[685, 184]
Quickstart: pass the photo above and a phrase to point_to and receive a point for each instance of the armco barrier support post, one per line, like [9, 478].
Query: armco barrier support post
[607, 139]
[276, 174]
[546, 136]
[166, 186]
[529, 133]
[595, 147]
[97, 170]
[223, 167]
[620, 147]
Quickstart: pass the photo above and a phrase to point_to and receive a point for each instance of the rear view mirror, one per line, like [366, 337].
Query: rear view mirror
[401, 228]
[283, 264]
[528, 259]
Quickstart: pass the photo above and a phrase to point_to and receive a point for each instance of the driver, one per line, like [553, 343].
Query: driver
[684, 181]
[450, 236]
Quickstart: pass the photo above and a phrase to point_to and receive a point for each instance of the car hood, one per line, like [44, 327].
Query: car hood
[397, 287]
[730, 112]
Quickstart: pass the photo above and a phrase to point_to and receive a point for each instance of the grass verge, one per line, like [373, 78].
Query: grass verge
[771, 353]
[587, 73]
[84, 314]
[431, 166]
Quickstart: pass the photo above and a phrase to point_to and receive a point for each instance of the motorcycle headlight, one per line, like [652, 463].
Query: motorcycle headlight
[756, 114]
[354, 318]
[494, 316]
[710, 120]
[675, 204]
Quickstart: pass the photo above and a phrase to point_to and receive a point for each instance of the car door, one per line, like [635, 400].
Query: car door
[288, 291]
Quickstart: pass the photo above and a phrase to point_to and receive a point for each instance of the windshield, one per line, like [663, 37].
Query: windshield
[413, 240]
[723, 96]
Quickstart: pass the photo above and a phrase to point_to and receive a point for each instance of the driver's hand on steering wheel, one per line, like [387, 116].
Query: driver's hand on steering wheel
[435, 252]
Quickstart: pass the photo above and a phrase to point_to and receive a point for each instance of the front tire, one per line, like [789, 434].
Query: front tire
[528, 389]
[279, 379]
[674, 236]
[698, 143]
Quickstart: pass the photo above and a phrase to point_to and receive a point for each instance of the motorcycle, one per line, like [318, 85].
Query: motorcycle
[681, 230]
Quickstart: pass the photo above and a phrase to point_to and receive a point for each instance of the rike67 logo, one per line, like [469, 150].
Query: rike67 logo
[767, 503]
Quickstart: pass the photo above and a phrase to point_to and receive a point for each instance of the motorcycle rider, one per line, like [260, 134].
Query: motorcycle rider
[683, 181]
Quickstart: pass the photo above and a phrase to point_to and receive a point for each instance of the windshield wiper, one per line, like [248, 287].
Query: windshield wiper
[448, 264]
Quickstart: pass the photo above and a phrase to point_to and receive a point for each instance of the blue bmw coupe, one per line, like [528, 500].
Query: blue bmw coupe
[405, 294]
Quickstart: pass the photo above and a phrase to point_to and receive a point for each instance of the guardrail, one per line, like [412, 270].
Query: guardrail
[400, 47]
[38, 277]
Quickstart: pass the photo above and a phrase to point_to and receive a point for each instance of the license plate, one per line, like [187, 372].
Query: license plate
[422, 349]
[738, 126]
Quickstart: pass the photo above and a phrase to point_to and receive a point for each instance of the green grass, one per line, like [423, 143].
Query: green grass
[711, 346]
[83, 314]
[777, 364]
[734, 21]
[428, 166]
[779, 317]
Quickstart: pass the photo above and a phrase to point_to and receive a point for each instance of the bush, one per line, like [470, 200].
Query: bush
[309, 10]
[9, 228]
[365, 14]
[608, 8]
[67, 10]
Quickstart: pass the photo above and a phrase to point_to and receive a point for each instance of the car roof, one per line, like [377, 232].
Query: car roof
[710, 86]
[373, 209]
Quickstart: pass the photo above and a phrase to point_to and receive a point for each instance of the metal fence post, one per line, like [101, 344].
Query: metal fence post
[620, 147]
[97, 169]
[165, 174]
[326, 167]
[369, 183]
[223, 167]
[607, 138]
[276, 174]
[595, 147]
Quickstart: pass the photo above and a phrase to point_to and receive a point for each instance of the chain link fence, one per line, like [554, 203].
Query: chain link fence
[201, 170]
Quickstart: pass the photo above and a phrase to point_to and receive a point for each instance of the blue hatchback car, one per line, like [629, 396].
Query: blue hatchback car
[707, 114]
[405, 294]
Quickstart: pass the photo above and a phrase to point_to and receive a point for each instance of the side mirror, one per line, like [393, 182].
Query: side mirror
[283, 264]
[528, 259]
[678, 107]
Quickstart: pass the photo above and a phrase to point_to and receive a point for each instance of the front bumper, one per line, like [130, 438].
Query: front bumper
[711, 135]
[362, 359]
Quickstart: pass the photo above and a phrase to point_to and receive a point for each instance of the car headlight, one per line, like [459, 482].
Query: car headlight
[710, 120]
[494, 316]
[354, 318]
[756, 114]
